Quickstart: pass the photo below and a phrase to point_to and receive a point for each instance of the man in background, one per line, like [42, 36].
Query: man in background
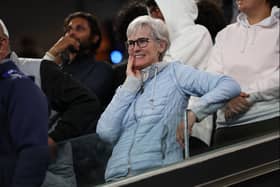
[75, 52]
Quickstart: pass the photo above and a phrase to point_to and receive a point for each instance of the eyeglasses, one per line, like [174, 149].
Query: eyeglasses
[141, 43]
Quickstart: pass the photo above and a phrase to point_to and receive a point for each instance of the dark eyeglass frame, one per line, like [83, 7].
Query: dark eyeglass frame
[141, 43]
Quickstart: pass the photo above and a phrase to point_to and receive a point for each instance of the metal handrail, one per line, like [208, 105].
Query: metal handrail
[198, 159]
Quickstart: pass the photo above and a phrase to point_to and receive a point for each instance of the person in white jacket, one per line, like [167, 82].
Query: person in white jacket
[248, 51]
[191, 44]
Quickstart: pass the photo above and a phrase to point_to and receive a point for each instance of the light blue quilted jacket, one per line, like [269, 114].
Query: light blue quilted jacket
[142, 118]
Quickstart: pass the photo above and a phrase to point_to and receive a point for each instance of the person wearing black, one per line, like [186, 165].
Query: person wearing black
[211, 16]
[24, 153]
[75, 52]
[78, 111]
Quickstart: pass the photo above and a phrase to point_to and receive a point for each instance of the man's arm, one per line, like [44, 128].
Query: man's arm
[28, 114]
[80, 109]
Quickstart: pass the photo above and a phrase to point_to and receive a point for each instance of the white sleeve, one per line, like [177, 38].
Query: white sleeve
[267, 88]
[215, 63]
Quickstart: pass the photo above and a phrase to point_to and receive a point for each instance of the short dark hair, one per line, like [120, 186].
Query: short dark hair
[274, 3]
[211, 16]
[151, 3]
[93, 24]
[127, 13]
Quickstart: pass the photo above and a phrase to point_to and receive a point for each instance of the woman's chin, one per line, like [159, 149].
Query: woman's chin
[138, 66]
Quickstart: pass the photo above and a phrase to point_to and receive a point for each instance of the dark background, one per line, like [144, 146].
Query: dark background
[39, 23]
[35, 25]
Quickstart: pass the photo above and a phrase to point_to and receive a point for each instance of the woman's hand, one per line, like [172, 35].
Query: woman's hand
[180, 137]
[130, 70]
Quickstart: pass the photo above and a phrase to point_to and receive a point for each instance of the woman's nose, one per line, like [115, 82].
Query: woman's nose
[136, 46]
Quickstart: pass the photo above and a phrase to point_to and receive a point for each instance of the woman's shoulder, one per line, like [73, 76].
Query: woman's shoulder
[178, 64]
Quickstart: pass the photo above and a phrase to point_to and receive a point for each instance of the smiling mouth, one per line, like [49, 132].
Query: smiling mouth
[139, 56]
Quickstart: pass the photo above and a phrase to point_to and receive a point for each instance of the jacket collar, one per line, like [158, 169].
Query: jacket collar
[150, 71]
[7, 65]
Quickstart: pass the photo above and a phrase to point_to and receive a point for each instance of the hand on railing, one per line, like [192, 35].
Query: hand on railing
[180, 137]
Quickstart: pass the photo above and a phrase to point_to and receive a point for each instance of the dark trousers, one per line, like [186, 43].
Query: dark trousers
[230, 135]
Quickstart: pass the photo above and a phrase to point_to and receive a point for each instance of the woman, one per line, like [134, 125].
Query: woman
[248, 51]
[142, 117]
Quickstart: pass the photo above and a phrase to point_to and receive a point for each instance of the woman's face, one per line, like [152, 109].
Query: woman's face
[144, 48]
[249, 5]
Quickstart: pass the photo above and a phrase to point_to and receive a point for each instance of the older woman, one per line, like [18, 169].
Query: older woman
[142, 117]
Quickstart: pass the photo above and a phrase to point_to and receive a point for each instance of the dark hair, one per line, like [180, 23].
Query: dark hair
[211, 16]
[93, 24]
[127, 13]
[274, 3]
[151, 3]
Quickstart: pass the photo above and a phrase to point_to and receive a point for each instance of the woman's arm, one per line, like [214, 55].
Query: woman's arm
[109, 126]
[213, 89]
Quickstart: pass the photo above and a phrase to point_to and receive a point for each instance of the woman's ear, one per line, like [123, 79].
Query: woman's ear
[162, 46]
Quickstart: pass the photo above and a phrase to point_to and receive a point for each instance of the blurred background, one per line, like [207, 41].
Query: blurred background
[35, 25]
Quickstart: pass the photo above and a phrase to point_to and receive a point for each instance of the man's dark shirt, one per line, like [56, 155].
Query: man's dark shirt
[97, 76]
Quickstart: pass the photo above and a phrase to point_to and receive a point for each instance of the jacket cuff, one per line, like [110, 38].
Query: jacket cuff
[132, 84]
[252, 98]
[48, 56]
[202, 111]
[199, 113]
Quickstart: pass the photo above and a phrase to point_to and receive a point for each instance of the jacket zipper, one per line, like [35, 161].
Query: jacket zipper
[133, 142]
